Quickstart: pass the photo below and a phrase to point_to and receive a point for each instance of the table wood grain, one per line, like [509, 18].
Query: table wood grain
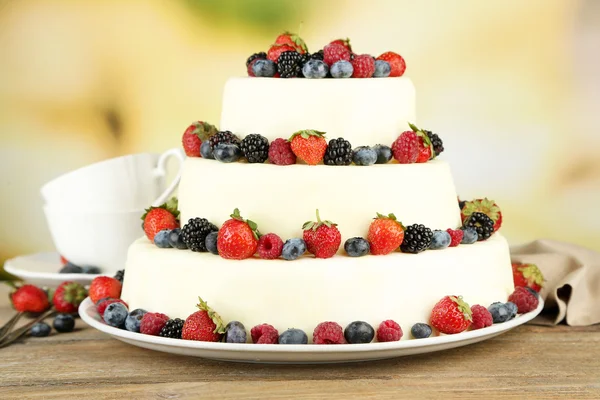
[530, 362]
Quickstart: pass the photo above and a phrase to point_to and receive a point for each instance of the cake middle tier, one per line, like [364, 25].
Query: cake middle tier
[281, 198]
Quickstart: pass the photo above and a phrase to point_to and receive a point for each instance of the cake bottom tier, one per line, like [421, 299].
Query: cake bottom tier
[307, 291]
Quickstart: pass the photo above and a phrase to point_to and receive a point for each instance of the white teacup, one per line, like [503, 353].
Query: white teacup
[130, 182]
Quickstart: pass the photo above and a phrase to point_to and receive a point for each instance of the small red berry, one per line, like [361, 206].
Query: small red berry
[343, 42]
[397, 63]
[406, 148]
[264, 334]
[389, 331]
[104, 286]
[237, 238]
[323, 239]
[456, 236]
[280, 152]
[364, 66]
[335, 52]
[270, 246]
[481, 317]
[525, 300]
[276, 50]
[30, 298]
[451, 315]
[152, 323]
[328, 333]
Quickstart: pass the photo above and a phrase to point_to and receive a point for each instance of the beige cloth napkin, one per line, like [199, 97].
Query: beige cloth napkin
[572, 287]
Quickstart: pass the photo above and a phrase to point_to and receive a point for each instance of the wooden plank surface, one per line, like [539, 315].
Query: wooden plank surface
[529, 362]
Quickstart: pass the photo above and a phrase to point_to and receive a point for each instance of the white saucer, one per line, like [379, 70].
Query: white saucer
[300, 354]
[42, 269]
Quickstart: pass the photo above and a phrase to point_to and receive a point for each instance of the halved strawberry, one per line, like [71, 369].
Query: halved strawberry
[486, 206]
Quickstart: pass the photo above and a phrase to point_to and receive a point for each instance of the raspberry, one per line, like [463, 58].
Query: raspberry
[328, 333]
[364, 66]
[406, 148]
[280, 153]
[102, 304]
[261, 330]
[525, 300]
[335, 52]
[389, 331]
[481, 317]
[269, 337]
[152, 323]
[270, 246]
[456, 235]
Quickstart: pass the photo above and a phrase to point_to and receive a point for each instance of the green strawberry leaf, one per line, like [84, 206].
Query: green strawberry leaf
[171, 206]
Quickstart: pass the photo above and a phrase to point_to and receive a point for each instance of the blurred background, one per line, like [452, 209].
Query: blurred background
[513, 88]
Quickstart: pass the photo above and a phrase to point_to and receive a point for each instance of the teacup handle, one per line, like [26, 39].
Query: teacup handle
[160, 171]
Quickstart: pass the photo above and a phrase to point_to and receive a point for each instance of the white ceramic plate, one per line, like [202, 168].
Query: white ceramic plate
[300, 354]
[41, 269]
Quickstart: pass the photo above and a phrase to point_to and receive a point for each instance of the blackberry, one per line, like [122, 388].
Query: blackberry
[339, 152]
[255, 148]
[194, 233]
[438, 145]
[262, 55]
[120, 275]
[483, 225]
[417, 238]
[461, 203]
[172, 328]
[317, 56]
[224, 137]
[289, 64]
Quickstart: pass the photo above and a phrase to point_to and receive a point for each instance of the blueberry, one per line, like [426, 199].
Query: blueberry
[512, 309]
[315, 69]
[342, 69]
[264, 68]
[41, 329]
[420, 330]
[384, 154]
[293, 336]
[293, 248]
[64, 323]
[364, 155]
[227, 153]
[470, 236]
[115, 314]
[90, 269]
[499, 311]
[132, 322]
[235, 332]
[359, 332]
[211, 242]
[440, 240]
[382, 69]
[161, 239]
[206, 150]
[357, 247]
[176, 239]
[71, 268]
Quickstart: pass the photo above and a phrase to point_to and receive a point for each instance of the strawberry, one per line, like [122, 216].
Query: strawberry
[335, 52]
[104, 286]
[322, 238]
[165, 216]
[194, 135]
[397, 63]
[237, 238]
[63, 260]
[406, 148]
[451, 315]
[204, 325]
[68, 296]
[309, 145]
[456, 236]
[486, 206]
[276, 50]
[385, 235]
[344, 42]
[527, 275]
[292, 40]
[30, 298]
[426, 151]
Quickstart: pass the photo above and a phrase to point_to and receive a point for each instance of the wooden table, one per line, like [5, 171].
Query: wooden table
[529, 362]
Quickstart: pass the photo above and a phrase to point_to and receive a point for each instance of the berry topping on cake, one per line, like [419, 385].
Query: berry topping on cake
[255, 148]
[328, 333]
[172, 328]
[293, 336]
[293, 249]
[264, 334]
[382, 69]
[456, 236]
[527, 275]
[289, 64]
[120, 275]
[223, 137]
[316, 56]
[500, 313]
[270, 246]
[436, 141]
[397, 63]
[481, 317]
[364, 66]
[341, 69]
[524, 299]
[161, 239]
[153, 323]
[204, 325]
[389, 331]
[176, 239]
[206, 150]
[315, 69]
[322, 238]
[344, 42]
[263, 68]
[227, 153]
[104, 286]
[134, 320]
[339, 152]
[309, 145]
[364, 156]
[235, 332]
[194, 135]
[115, 315]
[359, 332]
[357, 247]
[280, 152]
[68, 296]
[417, 238]
[156, 219]
[211, 242]
[194, 233]
[256, 56]
[335, 52]
[440, 240]
[486, 206]
[276, 50]
[104, 303]
[293, 40]
[385, 235]
[451, 315]
[512, 309]
[406, 148]
[238, 238]
[30, 298]
[420, 330]
[469, 236]
[483, 225]
[384, 153]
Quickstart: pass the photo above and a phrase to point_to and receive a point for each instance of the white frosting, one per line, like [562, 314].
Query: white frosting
[281, 198]
[307, 291]
[362, 111]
